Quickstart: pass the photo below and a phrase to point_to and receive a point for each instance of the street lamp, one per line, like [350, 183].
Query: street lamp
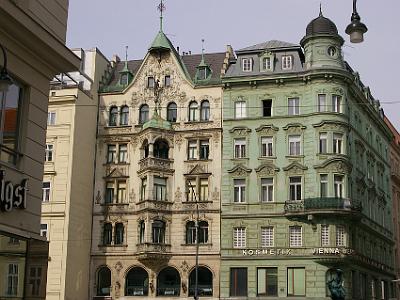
[5, 80]
[356, 29]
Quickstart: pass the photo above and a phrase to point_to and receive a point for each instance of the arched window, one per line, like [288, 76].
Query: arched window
[193, 111]
[145, 148]
[190, 232]
[203, 232]
[142, 232]
[137, 282]
[205, 110]
[103, 281]
[144, 114]
[161, 149]
[158, 232]
[119, 234]
[112, 118]
[204, 282]
[107, 234]
[172, 112]
[124, 115]
[168, 282]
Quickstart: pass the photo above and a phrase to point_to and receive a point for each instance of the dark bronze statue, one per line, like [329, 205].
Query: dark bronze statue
[335, 286]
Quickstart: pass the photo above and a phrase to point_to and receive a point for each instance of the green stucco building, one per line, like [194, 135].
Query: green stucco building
[305, 183]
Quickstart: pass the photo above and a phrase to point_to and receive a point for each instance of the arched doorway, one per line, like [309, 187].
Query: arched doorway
[205, 282]
[168, 282]
[137, 282]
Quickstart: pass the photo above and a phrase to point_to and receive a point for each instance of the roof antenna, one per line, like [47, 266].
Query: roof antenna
[161, 8]
[320, 9]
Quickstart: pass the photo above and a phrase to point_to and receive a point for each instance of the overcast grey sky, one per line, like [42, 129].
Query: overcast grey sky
[110, 25]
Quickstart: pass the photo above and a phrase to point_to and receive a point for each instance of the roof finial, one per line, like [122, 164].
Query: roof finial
[161, 8]
[202, 49]
[126, 53]
[320, 9]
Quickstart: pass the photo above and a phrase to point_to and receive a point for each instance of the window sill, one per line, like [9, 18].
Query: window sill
[116, 163]
[198, 122]
[117, 126]
[197, 160]
[198, 202]
[294, 156]
[240, 158]
[114, 204]
[267, 157]
[113, 246]
[194, 245]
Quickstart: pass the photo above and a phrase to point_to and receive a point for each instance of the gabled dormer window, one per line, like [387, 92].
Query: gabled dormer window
[247, 64]
[203, 73]
[287, 62]
[124, 79]
[266, 63]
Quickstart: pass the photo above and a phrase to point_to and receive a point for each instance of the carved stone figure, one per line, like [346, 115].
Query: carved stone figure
[335, 286]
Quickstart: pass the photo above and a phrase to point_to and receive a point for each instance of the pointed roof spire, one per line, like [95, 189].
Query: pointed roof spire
[320, 9]
[202, 63]
[125, 69]
[161, 8]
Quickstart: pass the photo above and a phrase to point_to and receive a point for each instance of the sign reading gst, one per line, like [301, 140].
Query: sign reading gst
[12, 195]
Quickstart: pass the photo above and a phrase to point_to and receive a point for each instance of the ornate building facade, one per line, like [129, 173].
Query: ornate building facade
[305, 174]
[157, 173]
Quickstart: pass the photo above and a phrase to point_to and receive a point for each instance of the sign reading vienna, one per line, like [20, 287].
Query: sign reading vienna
[12, 196]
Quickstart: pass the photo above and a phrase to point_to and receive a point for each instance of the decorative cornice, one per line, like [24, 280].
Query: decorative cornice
[239, 170]
[322, 123]
[269, 126]
[295, 165]
[343, 164]
[240, 129]
[301, 126]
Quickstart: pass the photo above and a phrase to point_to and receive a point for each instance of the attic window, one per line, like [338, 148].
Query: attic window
[203, 73]
[167, 80]
[266, 63]
[150, 82]
[247, 64]
[124, 79]
[287, 62]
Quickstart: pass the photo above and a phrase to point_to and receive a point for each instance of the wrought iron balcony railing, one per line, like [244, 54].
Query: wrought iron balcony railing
[324, 204]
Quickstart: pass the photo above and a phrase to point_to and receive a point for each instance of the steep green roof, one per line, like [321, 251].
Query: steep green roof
[157, 122]
[161, 42]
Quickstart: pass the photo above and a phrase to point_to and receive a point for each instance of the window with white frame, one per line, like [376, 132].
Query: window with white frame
[323, 142]
[240, 109]
[121, 191]
[295, 188]
[295, 236]
[123, 153]
[239, 190]
[323, 183]
[49, 152]
[12, 280]
[293, 106]
[240, 148]
[287, 62]
[340, 236]
[267, 146]
[193, 108]
[266, 63]
[143, 187]
[35, 280]
[267, 236]
[51, 118]
[198, 149]
[322, 105]
[324, 235]
[239, 237]
[338, 185]
[192, 150]
[111, 153]
[197, 186]
[337, 143]
[267, 189]
[109, 197]
[160, 188]
[294, 144]
[46, 189]
[247, 64]
[336, 103]
[43, 230]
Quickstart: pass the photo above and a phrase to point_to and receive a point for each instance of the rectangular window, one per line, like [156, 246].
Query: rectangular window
[266, 64]
[324, 235]
[111, 153]
[191, 189]
[295, 236]
[150, 82]
[287, 62]
[121, 192]
[295, 188]
[51, 118]
[322, 103]
[109, 193]
[323, 183]
[239, 237]
[267, 108]
[239, 187]
[294, 144]
[267, 281]
[323, 142]
[123, 153]
[143, 188]
[46, 191]
[267, 190]
[336, 103]
[240, 148]
[247, 64]
[160, 189]
[293, 106]
[192, 150]
[240, 109]
[12, 280]
[338, 185]
[267, 236]
[167, 81]
[340, 236]
[238, 282]
[203, 195]
[49, 152]
[337, 143]
[296, 282]
[35, 280]
[43, 230]
[267, 146]
[204, 149]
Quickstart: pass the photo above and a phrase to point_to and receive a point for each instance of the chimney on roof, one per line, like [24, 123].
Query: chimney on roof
[115, 59]
[229, 50]
[177, 49]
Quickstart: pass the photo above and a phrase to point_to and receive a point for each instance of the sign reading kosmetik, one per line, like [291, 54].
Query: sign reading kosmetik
[12, 195]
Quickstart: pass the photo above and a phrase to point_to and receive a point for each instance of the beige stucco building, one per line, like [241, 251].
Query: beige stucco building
[32, 34]
[68, 176]
[158, 151]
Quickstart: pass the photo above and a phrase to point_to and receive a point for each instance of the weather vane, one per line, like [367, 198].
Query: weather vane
[161, 8]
